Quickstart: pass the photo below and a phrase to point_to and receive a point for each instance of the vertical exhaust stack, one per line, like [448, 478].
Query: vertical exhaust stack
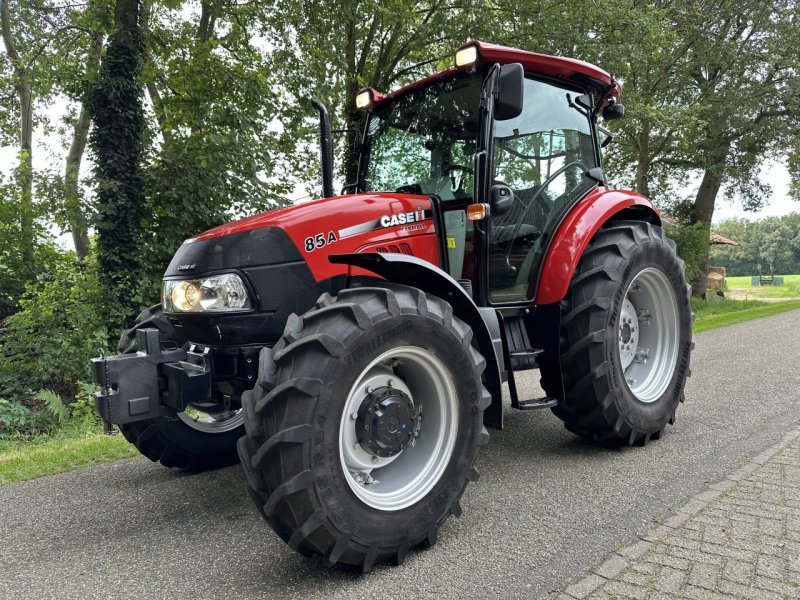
[325, 148]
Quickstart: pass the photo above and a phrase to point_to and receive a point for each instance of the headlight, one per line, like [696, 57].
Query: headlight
[218, 293]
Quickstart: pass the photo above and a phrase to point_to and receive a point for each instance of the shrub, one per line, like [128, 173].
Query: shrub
[47, 344]
[692, 246]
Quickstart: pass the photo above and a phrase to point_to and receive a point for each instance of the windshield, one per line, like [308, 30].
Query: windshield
[425, 141]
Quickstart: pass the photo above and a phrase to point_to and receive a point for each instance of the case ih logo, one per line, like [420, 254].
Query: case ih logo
[402, 218]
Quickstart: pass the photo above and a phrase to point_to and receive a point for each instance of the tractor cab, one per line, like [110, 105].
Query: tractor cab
[504, 152]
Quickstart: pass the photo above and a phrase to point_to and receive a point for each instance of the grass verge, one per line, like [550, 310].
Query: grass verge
[728, 312]
[21, 460]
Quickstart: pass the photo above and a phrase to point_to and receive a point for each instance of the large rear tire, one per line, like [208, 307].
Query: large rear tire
[331, 456]
[626, 337]
[189, 440]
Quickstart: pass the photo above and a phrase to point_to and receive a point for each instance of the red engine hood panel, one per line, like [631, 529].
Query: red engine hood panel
[382, 222]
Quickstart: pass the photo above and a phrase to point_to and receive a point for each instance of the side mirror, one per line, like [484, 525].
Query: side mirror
[500, 198]
[613, 111]
[510, 92]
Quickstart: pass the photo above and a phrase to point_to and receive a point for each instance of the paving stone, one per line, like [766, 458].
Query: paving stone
[626, 590]
[667, 560]
[738, 571]
[677, 520]
[670, 580]
[705, 575]
[697, 556]
[635, 550]
[737, 539]
[585, 587]
[611, 567]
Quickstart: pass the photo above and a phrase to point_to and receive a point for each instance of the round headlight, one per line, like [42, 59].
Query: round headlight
[185, 296]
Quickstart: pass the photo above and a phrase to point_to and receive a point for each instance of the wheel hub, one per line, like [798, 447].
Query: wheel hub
[628, 333]
[387, 422]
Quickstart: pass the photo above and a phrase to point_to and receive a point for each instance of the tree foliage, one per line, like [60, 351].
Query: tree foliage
[770, 245]
[216, 151]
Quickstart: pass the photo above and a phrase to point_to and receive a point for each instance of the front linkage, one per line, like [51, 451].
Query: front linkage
[148, 383]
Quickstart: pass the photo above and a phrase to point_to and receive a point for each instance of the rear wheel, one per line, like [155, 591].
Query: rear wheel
[361, 443]
[201, 437]
[626, 337]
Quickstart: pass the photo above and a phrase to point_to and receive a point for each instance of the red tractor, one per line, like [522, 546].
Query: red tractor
[353, 349]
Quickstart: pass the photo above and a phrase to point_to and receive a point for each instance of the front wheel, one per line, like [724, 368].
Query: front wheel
[361, 444]
[199, 438]
[626, 336]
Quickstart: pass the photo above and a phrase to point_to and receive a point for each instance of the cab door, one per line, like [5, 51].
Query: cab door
[543, 155]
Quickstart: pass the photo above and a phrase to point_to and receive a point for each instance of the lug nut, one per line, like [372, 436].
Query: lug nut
[354, 415]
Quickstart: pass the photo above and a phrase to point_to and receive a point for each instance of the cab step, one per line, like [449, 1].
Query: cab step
[536, 403]
[530, 353]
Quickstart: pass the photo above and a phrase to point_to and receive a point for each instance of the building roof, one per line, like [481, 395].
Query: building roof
[716, 238]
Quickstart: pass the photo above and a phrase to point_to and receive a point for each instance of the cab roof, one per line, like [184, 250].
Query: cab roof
[569, 69]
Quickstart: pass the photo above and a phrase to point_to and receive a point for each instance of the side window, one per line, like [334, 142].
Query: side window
[543, 156]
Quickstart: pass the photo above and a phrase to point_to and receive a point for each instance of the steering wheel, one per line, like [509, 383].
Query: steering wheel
[456, 182]
[454, 167]
[530, 203]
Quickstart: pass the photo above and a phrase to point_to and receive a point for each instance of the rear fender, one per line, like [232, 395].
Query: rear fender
[415, 272]
[576, 231]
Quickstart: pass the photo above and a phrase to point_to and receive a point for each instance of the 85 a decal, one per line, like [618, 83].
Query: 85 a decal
[319, 240]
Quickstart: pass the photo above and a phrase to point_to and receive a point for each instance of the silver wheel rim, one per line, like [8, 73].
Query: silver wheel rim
[221, 422]
[399, 481]
[647, 335]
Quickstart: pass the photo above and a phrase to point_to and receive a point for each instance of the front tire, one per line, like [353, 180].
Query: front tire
[322, 470]
[626, 337]
[188, 440]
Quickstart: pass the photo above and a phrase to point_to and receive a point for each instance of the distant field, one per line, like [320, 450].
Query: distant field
[740, 288]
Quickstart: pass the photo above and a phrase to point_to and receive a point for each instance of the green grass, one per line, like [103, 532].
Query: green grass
[789, 289]
[727, 312]
[21, 460]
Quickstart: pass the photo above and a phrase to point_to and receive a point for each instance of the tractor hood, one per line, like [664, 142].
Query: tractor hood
[311, 232]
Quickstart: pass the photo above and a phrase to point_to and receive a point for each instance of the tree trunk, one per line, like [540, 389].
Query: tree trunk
[116, 139]
[72, 199]
[76, 215]
[126, 19]
[354, 119]
[703, 212]
[25, 172]
[643, 162]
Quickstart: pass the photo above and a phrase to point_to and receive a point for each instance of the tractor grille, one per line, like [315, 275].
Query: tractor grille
[401, 248]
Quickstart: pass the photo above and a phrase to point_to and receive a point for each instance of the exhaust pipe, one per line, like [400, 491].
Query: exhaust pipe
[326, 148]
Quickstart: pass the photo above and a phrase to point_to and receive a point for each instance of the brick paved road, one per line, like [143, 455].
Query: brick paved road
[740, 538]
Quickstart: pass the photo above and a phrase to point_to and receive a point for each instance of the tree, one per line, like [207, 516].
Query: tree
[116, 140]
[24, 175]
